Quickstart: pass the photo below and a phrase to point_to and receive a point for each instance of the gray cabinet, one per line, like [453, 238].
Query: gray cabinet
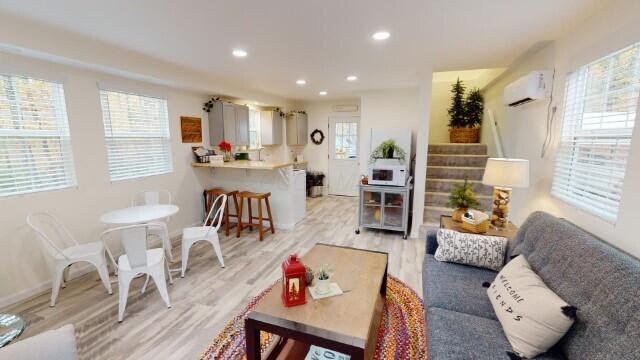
[229, 122]
[271, 127]
[384, 207]
[297, 129]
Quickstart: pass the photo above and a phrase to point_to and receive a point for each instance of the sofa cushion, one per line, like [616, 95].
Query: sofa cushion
[599, 280]
[58, 344]
[471, 249]
[454, 335]
[457, 287]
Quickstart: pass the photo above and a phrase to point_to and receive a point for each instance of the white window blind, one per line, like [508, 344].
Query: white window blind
[137, 134]
[601, 101]
[35, 146]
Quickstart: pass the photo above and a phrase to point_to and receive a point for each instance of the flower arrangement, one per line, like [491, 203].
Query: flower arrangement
[225, 147]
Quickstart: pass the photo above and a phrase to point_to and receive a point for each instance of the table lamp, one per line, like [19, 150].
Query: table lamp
[504, 174]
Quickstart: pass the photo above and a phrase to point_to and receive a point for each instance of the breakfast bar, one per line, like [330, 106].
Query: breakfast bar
[286, 185]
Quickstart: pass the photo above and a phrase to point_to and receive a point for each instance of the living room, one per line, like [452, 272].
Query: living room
[313, 116]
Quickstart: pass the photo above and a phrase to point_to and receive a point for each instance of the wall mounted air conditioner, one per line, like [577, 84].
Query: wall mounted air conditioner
[534, 86]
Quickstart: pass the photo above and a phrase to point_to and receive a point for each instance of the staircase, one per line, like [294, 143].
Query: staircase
[448, 165]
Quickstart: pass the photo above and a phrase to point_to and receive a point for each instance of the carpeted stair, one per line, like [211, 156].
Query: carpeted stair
[447, 165]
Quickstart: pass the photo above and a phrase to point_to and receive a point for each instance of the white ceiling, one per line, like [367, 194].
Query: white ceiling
[320, 41]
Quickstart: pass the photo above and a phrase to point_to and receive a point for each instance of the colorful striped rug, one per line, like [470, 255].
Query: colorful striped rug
[401, 334]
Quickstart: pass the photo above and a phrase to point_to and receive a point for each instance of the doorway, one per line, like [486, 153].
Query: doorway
[343, 155]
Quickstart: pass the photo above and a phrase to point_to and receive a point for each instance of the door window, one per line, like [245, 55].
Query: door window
[346, 140]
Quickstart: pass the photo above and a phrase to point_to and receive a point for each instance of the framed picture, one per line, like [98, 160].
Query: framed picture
[191, 128]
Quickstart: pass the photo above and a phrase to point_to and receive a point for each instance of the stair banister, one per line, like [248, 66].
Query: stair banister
[496, 134]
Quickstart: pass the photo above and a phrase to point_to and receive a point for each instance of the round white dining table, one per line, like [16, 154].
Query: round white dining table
[138, 214]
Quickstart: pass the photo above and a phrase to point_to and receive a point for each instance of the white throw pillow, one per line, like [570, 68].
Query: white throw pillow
[471, 249]
[533, 317]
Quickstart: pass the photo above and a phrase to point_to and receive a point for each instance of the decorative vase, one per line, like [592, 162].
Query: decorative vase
[226, 156]
[323, 286]
[464, 135]
[457, 214]
[500, 213]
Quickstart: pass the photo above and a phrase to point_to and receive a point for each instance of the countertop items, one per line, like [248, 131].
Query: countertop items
[249, 164]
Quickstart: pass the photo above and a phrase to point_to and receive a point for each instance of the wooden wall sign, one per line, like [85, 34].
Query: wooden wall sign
[191, 128]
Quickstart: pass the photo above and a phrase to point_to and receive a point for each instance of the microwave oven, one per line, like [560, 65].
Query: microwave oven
[388, 174]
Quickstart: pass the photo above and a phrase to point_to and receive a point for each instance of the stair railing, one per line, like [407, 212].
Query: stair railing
[496, 134]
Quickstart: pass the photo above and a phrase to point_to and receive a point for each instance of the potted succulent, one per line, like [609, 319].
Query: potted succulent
[465, 114]
[225, 147]
[387, 150]
[323, 279]
[461, 199]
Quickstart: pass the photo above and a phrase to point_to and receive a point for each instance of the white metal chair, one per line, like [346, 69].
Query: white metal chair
[205, 232]
[65, 250]
[157, 197]
[138, 259]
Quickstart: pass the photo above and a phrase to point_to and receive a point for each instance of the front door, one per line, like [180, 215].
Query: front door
[343, 155]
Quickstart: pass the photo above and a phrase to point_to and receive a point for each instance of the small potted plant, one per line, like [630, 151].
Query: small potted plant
[225, 147]
[465, 114]
[323, 279]
[387, 150]
[461, 199]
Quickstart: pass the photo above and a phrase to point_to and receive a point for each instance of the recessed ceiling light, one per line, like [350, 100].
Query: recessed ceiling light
[301, 82]
[381, 35]
[239, 53]
[322, 93]
[352, 78]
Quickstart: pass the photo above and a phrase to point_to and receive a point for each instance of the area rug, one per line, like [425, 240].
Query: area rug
[401, 334]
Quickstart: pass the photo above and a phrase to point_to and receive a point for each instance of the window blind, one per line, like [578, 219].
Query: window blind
[137, 134]
[601, 101]
[35, 145]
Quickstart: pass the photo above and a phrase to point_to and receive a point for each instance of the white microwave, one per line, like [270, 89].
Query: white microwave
[388, 174]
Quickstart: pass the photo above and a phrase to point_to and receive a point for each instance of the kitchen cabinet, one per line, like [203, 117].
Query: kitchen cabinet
[271, 127]
[229, 122]
[385, 207]
[297, 129]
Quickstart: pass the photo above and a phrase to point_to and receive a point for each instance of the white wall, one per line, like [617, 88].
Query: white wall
[523, 129]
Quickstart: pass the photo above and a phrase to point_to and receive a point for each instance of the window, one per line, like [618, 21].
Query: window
[601, 100]
[346, 140]
[35, 145]
[254, 129]
[136, 129]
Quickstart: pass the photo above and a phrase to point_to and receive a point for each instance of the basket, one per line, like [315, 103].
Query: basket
[464, 135]
[480, 228]
[456, 215]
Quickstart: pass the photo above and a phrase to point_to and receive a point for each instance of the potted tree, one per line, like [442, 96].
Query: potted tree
[465, 115]
[461, 199]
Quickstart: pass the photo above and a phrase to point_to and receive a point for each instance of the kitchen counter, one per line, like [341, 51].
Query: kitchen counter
[249, 165]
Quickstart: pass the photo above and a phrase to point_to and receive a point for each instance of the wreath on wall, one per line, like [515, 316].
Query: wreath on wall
[317, 137]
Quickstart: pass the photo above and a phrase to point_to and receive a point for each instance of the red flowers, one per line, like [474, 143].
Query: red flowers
[224, 146]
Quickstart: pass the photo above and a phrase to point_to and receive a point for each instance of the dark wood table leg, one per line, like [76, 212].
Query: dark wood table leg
[252, 335]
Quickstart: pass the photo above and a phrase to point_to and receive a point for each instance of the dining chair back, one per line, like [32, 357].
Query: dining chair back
[60, 244]
[157, 197]
[138, 259]
[207, 232]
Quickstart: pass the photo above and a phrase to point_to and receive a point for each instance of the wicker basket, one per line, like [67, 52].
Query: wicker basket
[456, 215]
[480, 228]
[464, 135]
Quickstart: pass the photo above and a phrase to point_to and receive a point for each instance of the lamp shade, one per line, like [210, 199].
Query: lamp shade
[506, 172]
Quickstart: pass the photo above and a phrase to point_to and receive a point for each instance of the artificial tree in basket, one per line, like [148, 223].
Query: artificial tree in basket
[461, 199]
[465, 114]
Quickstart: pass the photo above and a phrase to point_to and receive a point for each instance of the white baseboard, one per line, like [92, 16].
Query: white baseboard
[75, 271]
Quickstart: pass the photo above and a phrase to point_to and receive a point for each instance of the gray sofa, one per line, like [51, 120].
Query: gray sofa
[602, 282]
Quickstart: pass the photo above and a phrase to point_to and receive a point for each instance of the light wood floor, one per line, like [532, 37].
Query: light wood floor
[208, 296]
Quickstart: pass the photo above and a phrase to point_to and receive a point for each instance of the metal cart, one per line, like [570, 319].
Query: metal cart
[385, 207]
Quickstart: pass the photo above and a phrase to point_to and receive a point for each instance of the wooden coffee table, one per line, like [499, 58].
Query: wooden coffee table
[347, 323]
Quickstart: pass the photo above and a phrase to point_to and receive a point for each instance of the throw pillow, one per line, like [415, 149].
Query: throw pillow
[533, 317]
[471, 249]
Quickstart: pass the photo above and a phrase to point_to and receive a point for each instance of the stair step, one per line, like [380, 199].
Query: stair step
[457, 160]
[446, 185]
[455, 172]
[477, 149]
[440, 199]
[432, 213]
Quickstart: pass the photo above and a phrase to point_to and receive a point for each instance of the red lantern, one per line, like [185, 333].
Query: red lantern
[293, 282]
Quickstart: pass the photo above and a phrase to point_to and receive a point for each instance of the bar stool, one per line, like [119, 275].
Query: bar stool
[259, 197]
[211, 195]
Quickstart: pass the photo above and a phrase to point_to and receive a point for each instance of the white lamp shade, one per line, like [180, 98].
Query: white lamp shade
[508, 173]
